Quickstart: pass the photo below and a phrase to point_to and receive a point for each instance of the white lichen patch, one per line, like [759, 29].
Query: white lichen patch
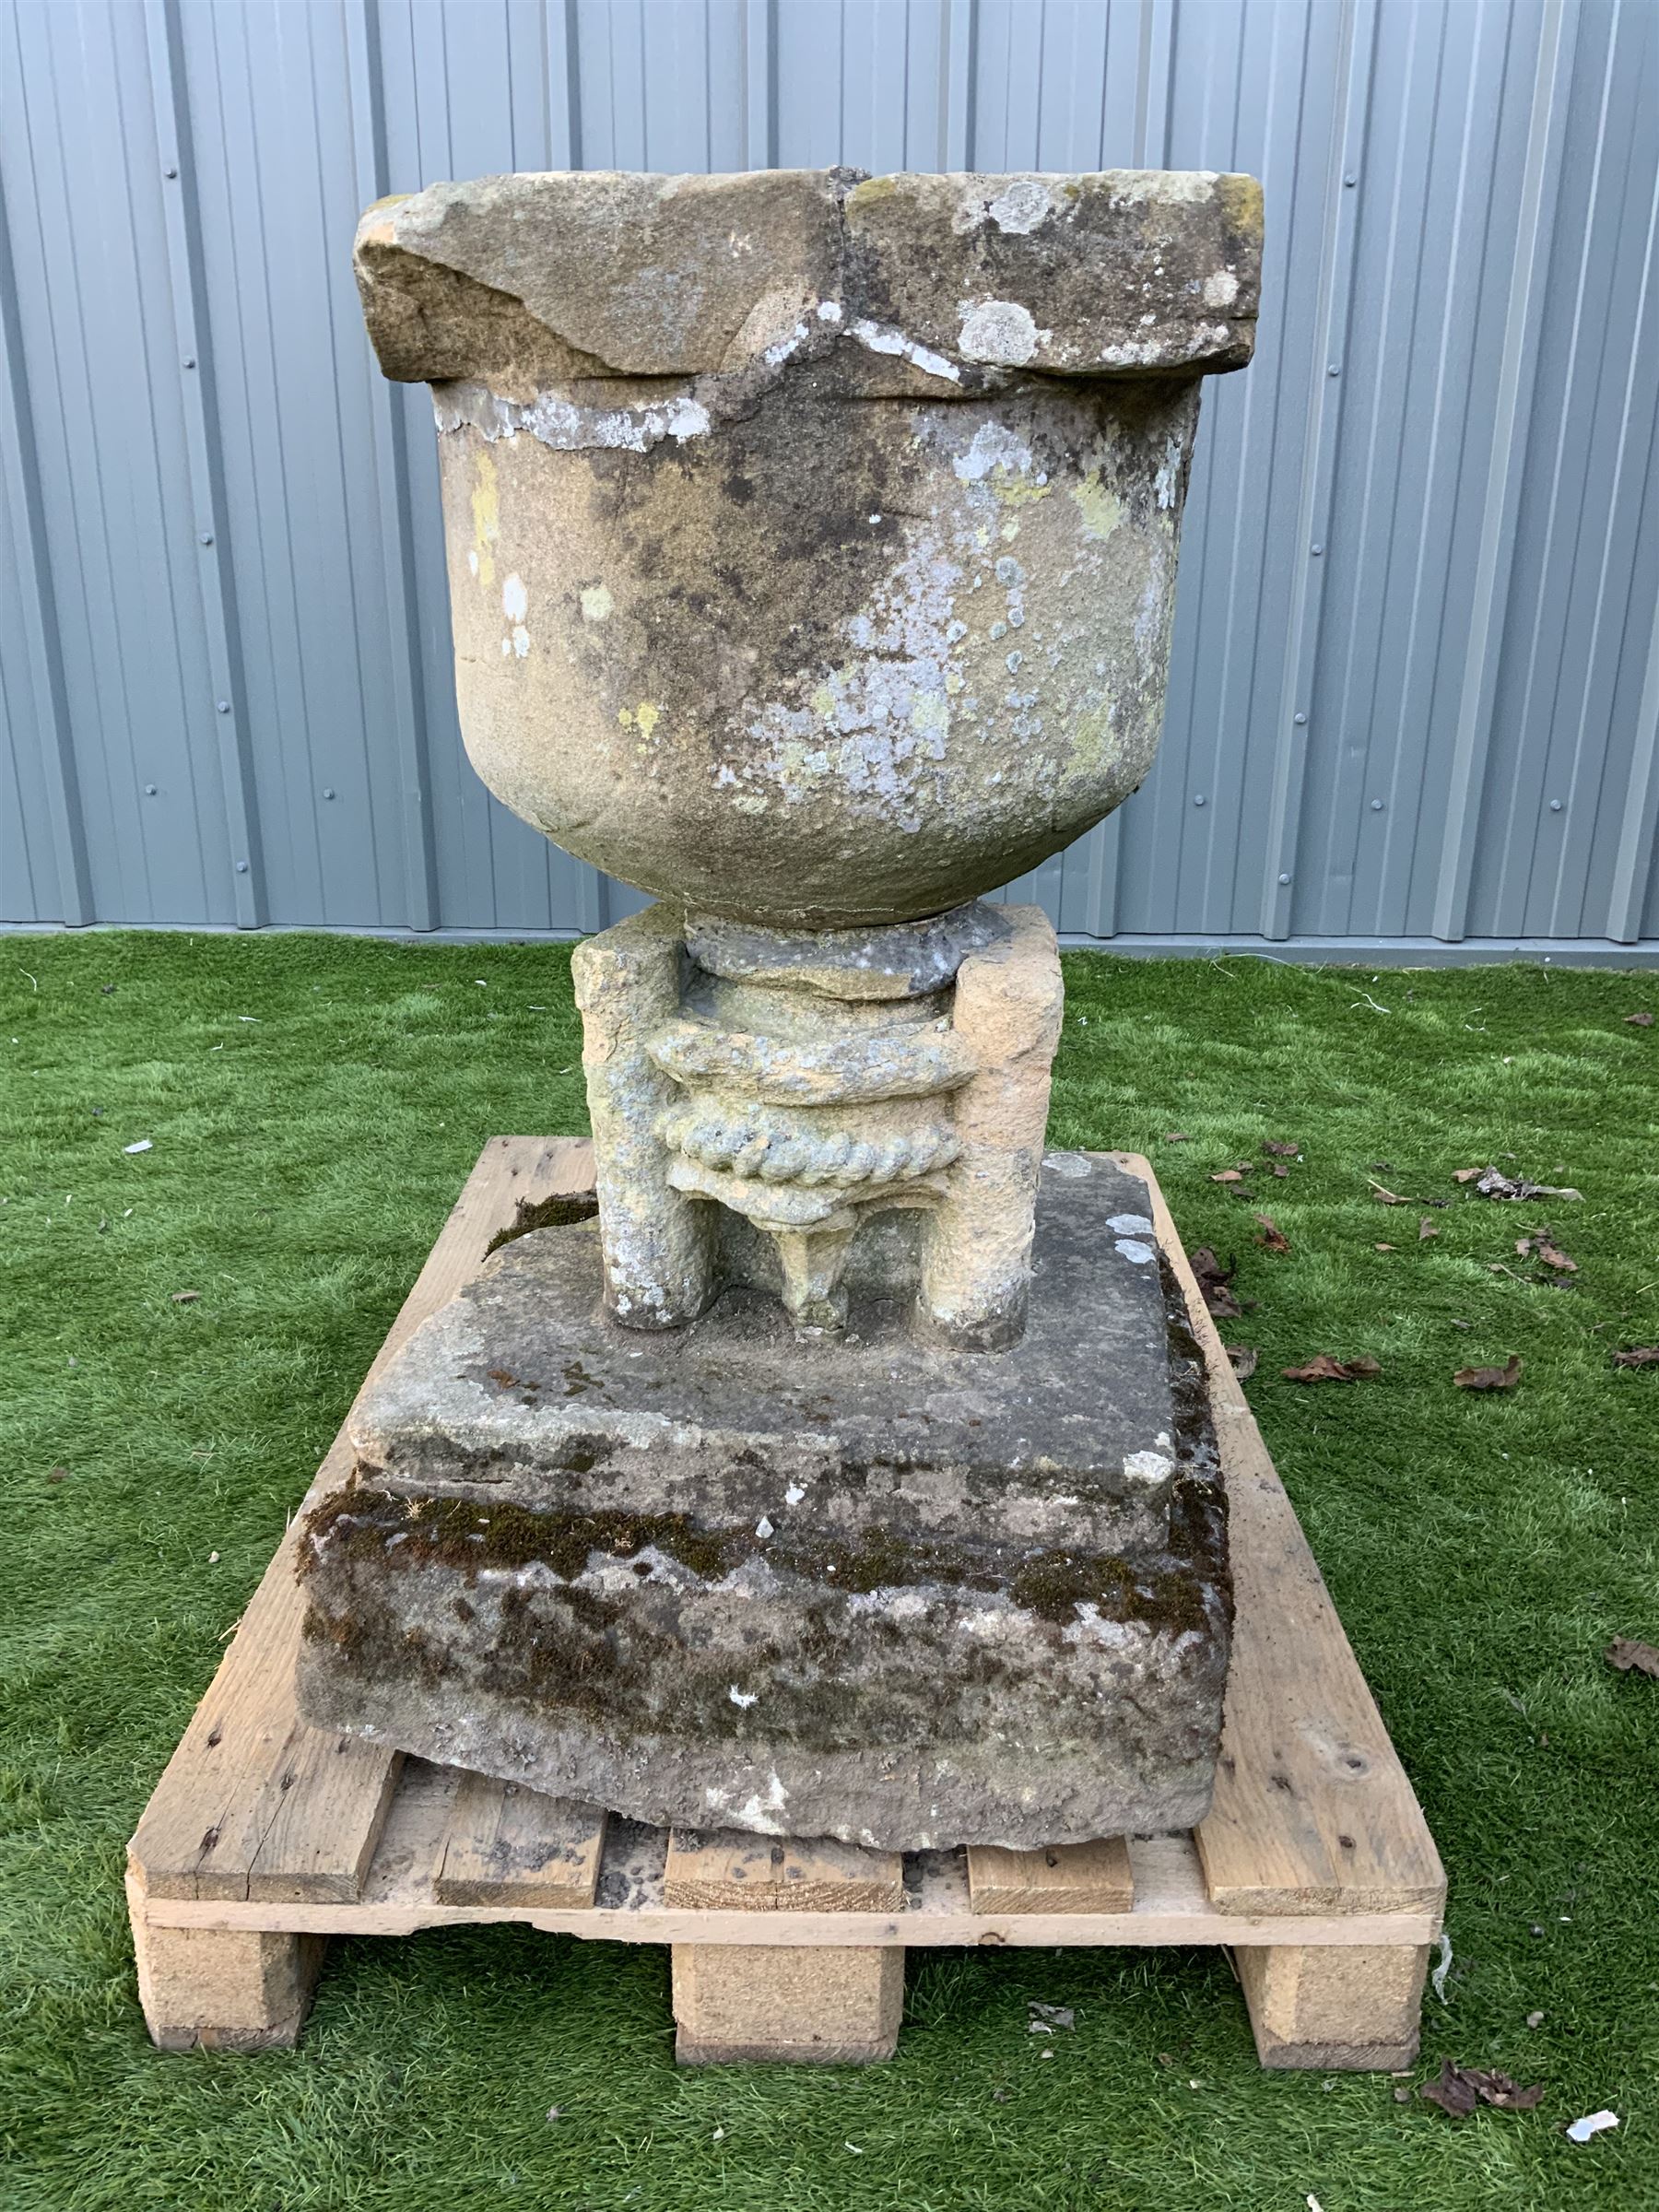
[520, 639]
[1130, 1225]
[880, 337]
[1170, 187]
[1132, 1249]
[1000, 331]
[743, 1698]
[1147, 1469]
[1220, 289]
[566, 427]
[993, 447]
[1022, 204]
[596, 602]
[515, 599]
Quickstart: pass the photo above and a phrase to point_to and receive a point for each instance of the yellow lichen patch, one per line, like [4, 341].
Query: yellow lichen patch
[872, 189]
[749, 802]
[823, 702]
[930, 714]
[1091, 745]
[1009, 531]
[1241, 197]
[1101, 510]
[596, 602]
[647, 714]
[486, 518]
[1020, 495]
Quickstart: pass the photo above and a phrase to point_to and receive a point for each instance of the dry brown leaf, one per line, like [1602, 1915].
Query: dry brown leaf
[1387, 1248]
[1467, 1174]
[1245, 1359]
[1272, 1235]
[1639, 1354]
[1538, 1247]
[1227, 1175]
[1279, 1169]
[1178, 1137]
[185, 1298]
[1427, 1228]
[1632, 1657]
[1491, 1378]
[1323, 1367]
[1639, 1021]
[1385, 1198]
[1459, 2088]
[1283, 1147]
[1215, 1282]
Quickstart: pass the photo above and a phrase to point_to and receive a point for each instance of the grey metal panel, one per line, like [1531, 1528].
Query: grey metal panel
[1476, 636]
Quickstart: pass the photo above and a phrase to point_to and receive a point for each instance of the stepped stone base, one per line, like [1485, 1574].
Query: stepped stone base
[863, 1587]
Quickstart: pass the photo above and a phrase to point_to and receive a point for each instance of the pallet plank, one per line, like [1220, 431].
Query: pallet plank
[254, 1804]
[1065, 1878]
[513, 1846]
[1313, 1811]
[728, 1868]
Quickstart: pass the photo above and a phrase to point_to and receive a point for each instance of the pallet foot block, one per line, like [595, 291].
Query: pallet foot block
[1314, 1866]
[736, 2004]
[225, 1989]
[1344, 2010]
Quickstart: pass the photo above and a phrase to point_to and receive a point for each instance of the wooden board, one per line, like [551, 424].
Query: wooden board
[1067, 1877]
[1313, 1810]
[1315, 1864]
[506, 1845]
[726, 1868]
[255, 1805]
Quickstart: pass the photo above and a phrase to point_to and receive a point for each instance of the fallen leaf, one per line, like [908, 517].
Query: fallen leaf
[1632, 1657]
[1323, 1367]
[1388, 1248]
[1459, 2088]
[1272, 1235]
[1245, 1359]
[1279, 1169]
[185, 1298]
[1538, 1247]
[58, 1474]
[1177, 1136]
[1593, 2123]
[1045, 2018]
[1639, 1354]
[1385, 1198]
[1427, 1228]
[1639, 1021]
[1283, 1147]
[1467, 1174]
[1491, 1378]
[1216, 1284]
[1227, 1175]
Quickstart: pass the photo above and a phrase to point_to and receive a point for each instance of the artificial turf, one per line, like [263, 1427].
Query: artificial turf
[314, 1106]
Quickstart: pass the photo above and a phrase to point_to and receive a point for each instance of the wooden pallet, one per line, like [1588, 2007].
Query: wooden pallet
[1315, 1867]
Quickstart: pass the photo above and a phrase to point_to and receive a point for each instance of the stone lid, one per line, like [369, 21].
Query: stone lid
[542, 279]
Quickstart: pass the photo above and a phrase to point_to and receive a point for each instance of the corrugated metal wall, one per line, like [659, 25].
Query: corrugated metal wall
[1417, 687]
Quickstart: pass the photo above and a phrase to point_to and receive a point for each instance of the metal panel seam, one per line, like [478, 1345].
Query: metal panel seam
[411, 737]
[1510, 418]
[38, 606]
[1328, 366]
[194, 335]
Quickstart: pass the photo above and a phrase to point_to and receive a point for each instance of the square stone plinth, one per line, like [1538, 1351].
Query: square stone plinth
[862, 1587]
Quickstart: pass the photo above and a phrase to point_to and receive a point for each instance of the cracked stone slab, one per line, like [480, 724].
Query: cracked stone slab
[527, 280]
[905, 1597]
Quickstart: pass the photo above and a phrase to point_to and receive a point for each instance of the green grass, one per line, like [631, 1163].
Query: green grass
[314, 1106]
